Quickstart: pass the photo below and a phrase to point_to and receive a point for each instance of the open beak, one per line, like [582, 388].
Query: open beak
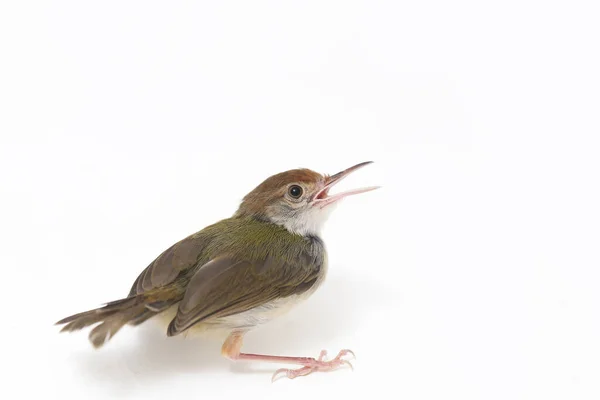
[322, 197]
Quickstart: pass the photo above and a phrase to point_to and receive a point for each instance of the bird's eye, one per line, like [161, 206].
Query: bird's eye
[295, 191]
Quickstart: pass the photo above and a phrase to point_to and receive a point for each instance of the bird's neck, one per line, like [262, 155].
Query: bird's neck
[307, 223]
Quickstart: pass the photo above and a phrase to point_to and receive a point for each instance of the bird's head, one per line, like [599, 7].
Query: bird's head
[298, 199]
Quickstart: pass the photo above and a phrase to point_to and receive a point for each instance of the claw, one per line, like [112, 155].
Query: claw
[342, 353]
[346, 362]
[280, 370]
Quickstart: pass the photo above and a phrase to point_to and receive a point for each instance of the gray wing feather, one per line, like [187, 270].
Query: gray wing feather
[225, 286]
[178, 259]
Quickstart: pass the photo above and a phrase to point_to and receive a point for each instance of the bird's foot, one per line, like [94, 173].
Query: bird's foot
[316, 365]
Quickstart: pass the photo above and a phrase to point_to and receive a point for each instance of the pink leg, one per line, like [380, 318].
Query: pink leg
[232, 346]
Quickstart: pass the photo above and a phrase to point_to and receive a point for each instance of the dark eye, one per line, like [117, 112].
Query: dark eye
[295, 191]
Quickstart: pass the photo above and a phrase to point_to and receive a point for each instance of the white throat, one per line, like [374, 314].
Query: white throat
[307, 223]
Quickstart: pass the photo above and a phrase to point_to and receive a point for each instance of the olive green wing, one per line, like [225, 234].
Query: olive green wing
[226, 286]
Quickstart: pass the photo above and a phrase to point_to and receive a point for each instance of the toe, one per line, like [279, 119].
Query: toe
[322, 355]
[291, 373]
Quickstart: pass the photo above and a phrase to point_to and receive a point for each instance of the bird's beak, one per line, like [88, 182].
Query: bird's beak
[322, 198]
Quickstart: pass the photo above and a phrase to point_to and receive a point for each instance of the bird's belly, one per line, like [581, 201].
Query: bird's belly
[259, 315]
[220, 327]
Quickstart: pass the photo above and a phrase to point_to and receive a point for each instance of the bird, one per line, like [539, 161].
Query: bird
[238, 273]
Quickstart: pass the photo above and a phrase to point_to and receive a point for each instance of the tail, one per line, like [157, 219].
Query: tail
[113, 316]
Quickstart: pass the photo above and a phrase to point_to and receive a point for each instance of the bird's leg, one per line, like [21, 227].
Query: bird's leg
[232, 350]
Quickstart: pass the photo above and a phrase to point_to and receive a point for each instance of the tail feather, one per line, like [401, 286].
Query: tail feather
[112, 317]
[84, 320]
[107, 329]
[143, 317]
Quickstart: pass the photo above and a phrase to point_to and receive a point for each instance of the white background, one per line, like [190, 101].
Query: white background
[472, 274]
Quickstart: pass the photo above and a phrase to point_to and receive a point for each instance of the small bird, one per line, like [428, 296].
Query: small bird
[238, 273]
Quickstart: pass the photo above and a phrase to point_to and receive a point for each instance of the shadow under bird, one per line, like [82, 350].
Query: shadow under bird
[238, 273]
